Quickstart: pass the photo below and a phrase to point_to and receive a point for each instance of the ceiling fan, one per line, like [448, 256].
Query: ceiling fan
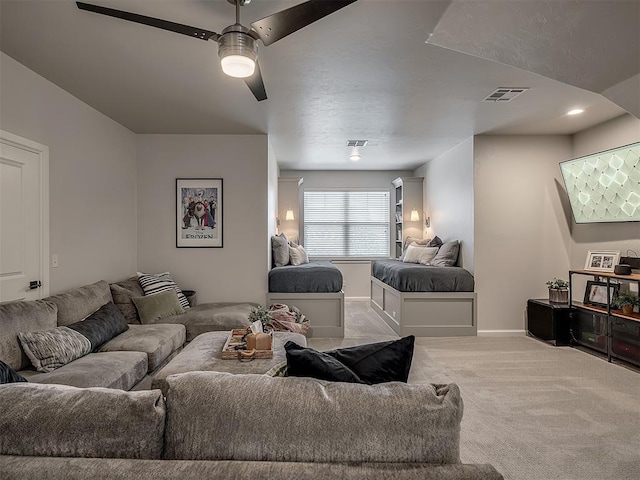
[237, 44]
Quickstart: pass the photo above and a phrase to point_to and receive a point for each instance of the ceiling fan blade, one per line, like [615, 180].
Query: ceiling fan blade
[274, 27]
[152, 22]
[256, 85]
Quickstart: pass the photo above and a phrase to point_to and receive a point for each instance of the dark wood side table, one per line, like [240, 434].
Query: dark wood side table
[548, 321]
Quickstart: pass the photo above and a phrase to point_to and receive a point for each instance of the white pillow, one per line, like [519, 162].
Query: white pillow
[297, 255]
[419, 254]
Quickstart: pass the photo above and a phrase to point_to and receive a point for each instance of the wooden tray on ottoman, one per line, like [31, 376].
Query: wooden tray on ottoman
[235, 337]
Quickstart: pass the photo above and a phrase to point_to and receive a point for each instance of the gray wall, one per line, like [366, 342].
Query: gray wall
[448, 198]
[237, 272]
[522, 238]
[92, 180]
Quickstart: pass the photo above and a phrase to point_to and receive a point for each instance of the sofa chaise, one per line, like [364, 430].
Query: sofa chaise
[220, 425]
[128, 360]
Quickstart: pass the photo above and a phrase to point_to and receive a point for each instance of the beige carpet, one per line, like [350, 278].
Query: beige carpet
[533, 411]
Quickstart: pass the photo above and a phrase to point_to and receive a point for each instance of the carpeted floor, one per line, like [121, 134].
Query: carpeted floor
[535, 412]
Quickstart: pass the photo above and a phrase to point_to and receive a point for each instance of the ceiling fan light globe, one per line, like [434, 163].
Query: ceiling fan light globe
[238, 66]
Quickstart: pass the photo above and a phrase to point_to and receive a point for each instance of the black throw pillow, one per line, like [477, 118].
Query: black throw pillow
[102, 325]
[307, 362]
[9, 375]
[378, 362]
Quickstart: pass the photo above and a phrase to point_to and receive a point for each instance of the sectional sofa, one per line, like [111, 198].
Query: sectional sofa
[128, 360]
[220, 425]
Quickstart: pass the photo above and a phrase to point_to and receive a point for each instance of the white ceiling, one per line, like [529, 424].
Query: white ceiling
[390, 71]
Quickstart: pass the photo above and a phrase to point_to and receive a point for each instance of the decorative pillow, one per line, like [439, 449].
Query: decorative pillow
[101, 326]
[9, 375]
[161, 282]
[416, 254]
[51, 349]
[378, 362]
[298, 255]
[153, 307]
[123, 293]
[447, 256]
[307, 362]
[436, 242]
[280, 248]
[418, 241]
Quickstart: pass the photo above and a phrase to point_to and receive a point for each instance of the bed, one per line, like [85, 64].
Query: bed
[316, 289]
[423, 300]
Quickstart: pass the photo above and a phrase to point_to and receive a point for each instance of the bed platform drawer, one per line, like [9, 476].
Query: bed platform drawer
[325, 311]
[425, 314]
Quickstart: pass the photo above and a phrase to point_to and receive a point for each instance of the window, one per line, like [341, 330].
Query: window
[346, 223]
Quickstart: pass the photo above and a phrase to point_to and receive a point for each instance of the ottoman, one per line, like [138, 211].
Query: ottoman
[204, 354]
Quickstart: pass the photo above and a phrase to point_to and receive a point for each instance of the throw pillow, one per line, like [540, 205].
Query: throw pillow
[416, 254]
[378, 362]
[101, 326]
[51, 349]
[447, 256]
[297, 255]
[153, 307]
[418, 241]
[307, 362]
[9, 375]
[436, 242]
[161, 282]
[280, 248]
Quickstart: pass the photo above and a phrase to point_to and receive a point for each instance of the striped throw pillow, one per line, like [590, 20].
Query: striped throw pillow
[161, 282]
[51, 349]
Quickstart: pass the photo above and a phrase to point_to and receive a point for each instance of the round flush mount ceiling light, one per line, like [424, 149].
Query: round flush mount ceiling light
[354, 157]
[575, 111]
[238, 52]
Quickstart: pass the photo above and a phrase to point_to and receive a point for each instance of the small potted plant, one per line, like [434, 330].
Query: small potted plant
[626, 301]
[558, 290]
[264, 315]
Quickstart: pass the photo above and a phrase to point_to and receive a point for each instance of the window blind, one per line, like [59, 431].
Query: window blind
[346, 223]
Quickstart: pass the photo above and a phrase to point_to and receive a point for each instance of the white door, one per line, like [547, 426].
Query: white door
[24, 219]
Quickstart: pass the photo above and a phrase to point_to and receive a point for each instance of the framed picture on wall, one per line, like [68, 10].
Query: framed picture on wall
[602, 260]
[596, 293]
[199, 217]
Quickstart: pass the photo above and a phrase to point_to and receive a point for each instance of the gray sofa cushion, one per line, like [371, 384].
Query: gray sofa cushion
[280, 249]
[15, 317]
[123, 294]
[157, 341]
[447, 256]
[212, 317]
[21, 468]
[57, 420]
[79, 303]
[321, 421]
[121, 370]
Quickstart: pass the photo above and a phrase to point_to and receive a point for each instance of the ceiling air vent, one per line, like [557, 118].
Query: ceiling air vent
[356, 143]
[505, 94]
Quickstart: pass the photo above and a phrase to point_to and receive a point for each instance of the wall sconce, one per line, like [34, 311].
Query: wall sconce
[414, 216]
[287, 216]
[427, 221]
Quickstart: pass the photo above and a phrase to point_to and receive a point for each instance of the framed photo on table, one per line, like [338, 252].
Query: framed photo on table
[199, 212]
[596, 293]
[602, 260]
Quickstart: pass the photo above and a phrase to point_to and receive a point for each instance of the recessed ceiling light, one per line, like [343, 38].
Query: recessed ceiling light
[575, 111]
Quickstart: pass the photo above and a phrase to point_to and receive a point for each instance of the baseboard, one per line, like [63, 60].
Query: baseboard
[358, 299]
[501, 333]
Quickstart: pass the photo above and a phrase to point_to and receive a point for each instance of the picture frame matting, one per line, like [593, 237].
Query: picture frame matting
[199, 213]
